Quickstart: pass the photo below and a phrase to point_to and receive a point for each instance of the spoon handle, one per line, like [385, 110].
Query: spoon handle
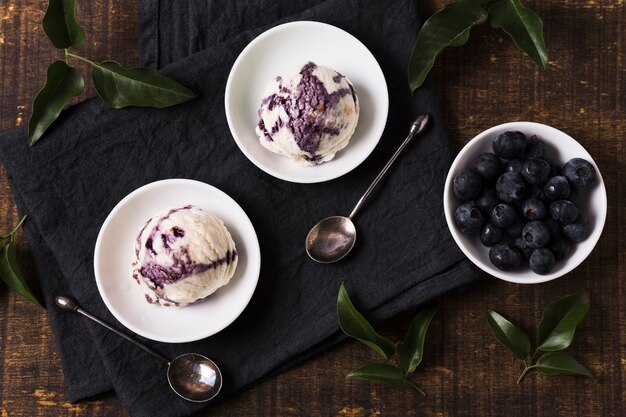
[416, 127]
[69, 304]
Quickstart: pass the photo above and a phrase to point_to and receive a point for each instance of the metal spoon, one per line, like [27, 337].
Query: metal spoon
[333, 237]
[191, 375]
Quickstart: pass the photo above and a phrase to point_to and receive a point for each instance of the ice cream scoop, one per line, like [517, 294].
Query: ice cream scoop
[183, 255]
[308, 115]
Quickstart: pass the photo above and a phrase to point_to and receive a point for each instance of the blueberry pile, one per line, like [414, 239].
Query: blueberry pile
[523, 204]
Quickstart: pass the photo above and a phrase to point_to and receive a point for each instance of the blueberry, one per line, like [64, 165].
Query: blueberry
[536, 148]
[536, 234]
[580, 173]
[491, 234]
[536, 191]
[574, 197]
[505, 256]
[487, 201]
[556, 188]
[542, 261]
[510, 187]
[523, 247]
[559, 247]
[553, 226]
[509, 145]
[503, 215]
[469, 218]
[467, 185]
[563, 211]
[534, 209]
[514, 165]
[515, 230]
[577, 231]
[555, 167]
[535, 171]
[488, 166]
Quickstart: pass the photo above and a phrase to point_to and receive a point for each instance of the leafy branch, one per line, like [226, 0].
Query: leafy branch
[555, 333]
[394, 371]
[116, 85]
[10, 271]
[451, 26]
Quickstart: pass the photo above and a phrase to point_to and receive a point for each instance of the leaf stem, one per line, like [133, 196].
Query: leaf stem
[19, 224]
[67, 56]
[12, 233]
[81, 58]
[418, 389]
[526, 369]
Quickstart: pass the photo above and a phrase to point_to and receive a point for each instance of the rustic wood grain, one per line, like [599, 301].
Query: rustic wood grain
[465, 372]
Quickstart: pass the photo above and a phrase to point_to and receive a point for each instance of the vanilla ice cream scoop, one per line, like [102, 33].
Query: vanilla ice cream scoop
[308, 115]
[183, 255]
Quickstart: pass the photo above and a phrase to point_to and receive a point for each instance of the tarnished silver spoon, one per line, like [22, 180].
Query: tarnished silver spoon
[192, 376]
[333, 237]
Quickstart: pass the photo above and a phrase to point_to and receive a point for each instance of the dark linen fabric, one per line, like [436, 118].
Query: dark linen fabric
[94, 156]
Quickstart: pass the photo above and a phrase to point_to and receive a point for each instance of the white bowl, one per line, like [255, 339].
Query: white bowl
[280, 50]
[562, 148]
[114, 254]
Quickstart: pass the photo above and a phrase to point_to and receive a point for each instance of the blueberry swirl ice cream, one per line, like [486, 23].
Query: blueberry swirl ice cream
[308, 115]
[183, 255]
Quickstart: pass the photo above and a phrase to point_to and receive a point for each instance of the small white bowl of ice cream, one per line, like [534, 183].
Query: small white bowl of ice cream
[177, 260]
[306, 111]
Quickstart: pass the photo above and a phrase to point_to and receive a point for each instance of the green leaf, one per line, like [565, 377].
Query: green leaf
[62, 83]
[559, 321]
[557, 363]
[11, 274]
[523, 25]
[61, 26]
[508, 334]
[355, 325]
[412, 349]
[448, 27]
[120, 87]
[381, 372]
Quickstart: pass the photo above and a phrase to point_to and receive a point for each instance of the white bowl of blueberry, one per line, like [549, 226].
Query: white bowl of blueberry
[525, 202]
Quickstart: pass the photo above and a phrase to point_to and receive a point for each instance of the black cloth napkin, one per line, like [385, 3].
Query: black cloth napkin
[94, 156]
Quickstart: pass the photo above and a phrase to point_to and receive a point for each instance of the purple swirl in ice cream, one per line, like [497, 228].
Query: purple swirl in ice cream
[182, 267]
[308, 116]
[183, 255]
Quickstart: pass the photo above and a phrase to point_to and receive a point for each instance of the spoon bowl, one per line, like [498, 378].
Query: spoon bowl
[194, 377]
[331, 239]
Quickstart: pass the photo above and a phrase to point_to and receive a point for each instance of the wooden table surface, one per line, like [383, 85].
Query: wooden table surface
[464, 372]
